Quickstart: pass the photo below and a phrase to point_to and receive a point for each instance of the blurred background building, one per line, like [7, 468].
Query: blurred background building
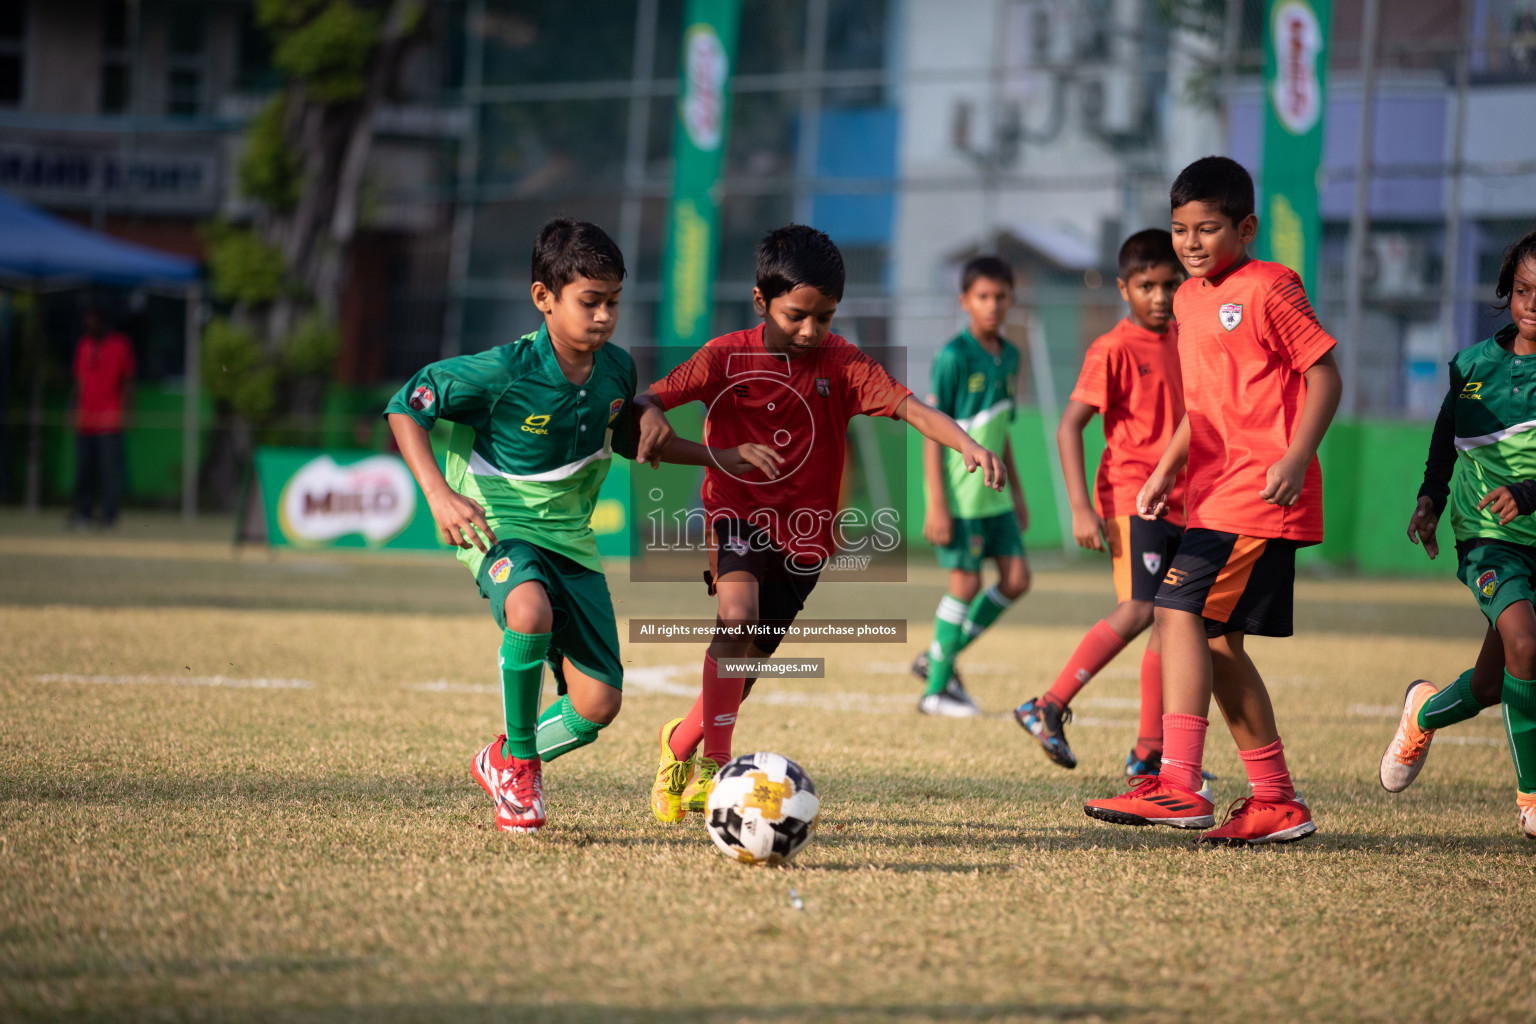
[916, 132]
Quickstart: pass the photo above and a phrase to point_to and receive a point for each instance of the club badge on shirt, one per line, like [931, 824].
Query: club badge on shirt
[1230, 314]
[422, 399]
[500, 570]
[1153, 560]
[824, 386]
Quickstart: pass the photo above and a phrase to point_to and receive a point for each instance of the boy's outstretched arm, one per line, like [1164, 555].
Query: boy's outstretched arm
[936, 426]
[938, 523]
[1436, 486]
[461, 520]
[1015, 487]
[1283, 482]
[1087, 524]
[1152, 499]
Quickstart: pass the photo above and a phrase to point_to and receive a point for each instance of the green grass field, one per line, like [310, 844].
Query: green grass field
[178, 841]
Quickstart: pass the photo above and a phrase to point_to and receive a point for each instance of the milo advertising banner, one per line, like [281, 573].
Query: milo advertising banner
[317, 498]
[693, 230]
[1295, 79]
[339, 498]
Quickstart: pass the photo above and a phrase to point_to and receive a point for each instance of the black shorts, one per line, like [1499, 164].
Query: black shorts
[783, 581]
[1140, 551]
[1237, 584]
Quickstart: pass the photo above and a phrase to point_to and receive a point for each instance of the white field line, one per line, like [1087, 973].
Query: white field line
[230, 682]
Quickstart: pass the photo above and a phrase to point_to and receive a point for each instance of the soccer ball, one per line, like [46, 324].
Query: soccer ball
[762, 809]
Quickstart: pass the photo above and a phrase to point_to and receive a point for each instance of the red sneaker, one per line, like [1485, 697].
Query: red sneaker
[1251, 821]
[516, 785]
[1154, 802]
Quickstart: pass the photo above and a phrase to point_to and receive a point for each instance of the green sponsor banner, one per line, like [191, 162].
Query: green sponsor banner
[1295, 78]
[335, 498]
[341, 498]
[703, 114]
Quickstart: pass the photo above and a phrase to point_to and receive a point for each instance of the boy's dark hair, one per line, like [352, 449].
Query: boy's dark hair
[795, 254]
[1218, 180]
[1523, 250]
[1145, 250]
[567, 249]
[993, 268]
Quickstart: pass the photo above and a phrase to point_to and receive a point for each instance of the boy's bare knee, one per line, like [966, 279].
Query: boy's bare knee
[964, 586]
[527, 609]
[1520, 654]
[1137, 615]
[1014, 580]
[600, 706]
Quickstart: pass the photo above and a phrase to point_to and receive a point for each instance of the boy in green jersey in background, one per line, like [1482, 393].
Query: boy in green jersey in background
[974, 380]
[1486, 433]
[535, 425]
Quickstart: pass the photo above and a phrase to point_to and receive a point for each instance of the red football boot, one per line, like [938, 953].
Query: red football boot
[1154, 802]
[1251, 822]
[516, 785]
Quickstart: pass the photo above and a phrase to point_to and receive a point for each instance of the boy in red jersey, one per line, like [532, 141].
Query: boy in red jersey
[1131, 376]
[1260, 388]
[791, 385]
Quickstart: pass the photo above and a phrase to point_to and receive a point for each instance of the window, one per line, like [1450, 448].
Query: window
[13, 53]
[184, 60]
[116, 59]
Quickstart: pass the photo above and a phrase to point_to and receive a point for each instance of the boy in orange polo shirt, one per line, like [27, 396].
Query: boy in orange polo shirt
[1260, 388]
[1131, 377]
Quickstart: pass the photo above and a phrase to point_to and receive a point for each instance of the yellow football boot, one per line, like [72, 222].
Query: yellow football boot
[672, 776]
[696, 793]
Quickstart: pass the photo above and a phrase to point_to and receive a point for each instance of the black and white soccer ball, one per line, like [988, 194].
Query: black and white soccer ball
[762, 809]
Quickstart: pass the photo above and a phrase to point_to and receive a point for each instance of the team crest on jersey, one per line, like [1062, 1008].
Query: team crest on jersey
[1488, 582]
[422, 399]
[824, 386]
[500, 570]
[737, 546]
[976, 382]
[613, 409]
[977, 543]
[1153, 560]
[1230, 314]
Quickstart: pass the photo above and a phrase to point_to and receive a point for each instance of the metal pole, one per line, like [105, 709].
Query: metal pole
[191, 410]
[810, 109]
[634, 147]
[1359, 217]
[1232, 40]
[465, 196]
[1450, 275]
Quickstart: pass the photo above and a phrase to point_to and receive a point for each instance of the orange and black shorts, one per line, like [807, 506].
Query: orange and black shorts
[1237, 584]
[1140, 550]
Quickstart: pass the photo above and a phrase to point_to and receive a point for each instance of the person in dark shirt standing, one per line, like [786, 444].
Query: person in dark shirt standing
[104, 370]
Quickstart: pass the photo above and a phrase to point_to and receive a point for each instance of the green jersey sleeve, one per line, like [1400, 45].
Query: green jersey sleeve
[946, 377]
[626, 431]
[461, 390]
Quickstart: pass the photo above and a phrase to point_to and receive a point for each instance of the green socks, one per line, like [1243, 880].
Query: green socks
[562, 730]
[982, 613]
[522, 673]
[1453, 704]
[947, 639]
[1520, 722]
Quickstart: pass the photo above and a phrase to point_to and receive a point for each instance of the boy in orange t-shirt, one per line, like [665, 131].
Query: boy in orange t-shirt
[1260, 388]
[1131, 377]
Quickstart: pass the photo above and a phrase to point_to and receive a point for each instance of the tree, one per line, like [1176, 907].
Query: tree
[280, 278]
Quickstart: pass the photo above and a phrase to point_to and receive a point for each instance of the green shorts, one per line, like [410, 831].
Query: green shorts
[584, 627]
[974, 540]
[1498, 573]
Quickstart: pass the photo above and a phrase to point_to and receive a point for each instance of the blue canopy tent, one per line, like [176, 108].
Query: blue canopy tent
[40, 252]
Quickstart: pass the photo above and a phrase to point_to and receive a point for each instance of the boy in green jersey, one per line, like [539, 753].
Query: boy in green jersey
[974, 380]
[535, 425]
[1486, 432]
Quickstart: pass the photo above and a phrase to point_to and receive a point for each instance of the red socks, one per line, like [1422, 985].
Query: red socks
[688, 733]
[1149, 732]
[1183, 750]
[721, 700]
[1267, 773]
[1098, 649]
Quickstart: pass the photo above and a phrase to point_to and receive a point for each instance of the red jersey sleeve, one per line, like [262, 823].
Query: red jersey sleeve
[697, 380]
[1293, 330]
[873, 390]
[1095, 386]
